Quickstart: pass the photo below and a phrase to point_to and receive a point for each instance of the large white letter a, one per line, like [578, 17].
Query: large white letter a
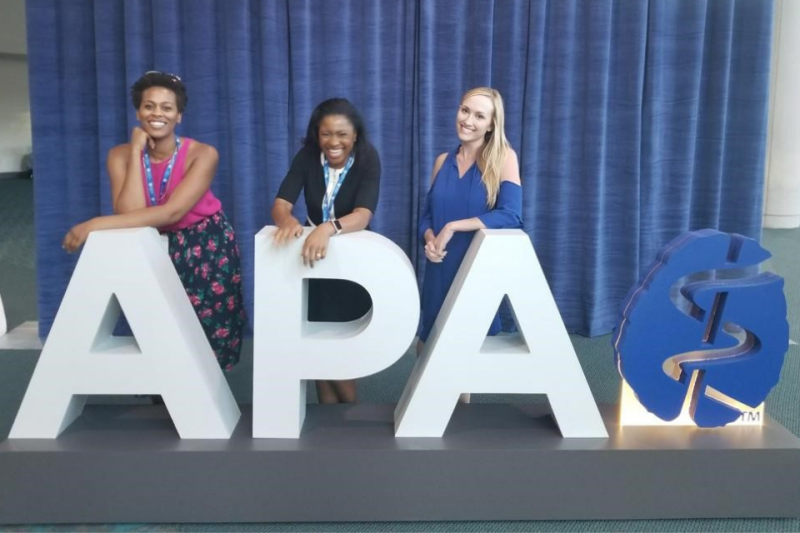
[460, 358]
[169, 354]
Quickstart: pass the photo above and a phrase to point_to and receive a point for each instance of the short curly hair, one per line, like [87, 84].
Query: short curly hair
[166, 80]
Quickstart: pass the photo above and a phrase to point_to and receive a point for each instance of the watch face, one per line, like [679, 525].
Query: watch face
[338, 226]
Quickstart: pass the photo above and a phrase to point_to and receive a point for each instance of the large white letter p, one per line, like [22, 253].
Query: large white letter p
[288, 349]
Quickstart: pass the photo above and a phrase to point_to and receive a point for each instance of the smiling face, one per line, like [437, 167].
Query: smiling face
[337, 136]
[474, 118]
[158, 113]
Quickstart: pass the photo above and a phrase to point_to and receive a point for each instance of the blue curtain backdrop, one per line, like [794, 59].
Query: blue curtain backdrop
[634, 120]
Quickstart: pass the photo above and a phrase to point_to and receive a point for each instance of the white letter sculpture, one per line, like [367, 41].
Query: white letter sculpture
[459, 358]
[169, 354]
[288, 349]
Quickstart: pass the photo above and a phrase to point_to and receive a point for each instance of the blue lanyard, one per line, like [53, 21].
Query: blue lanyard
[327, 202]
[148, 173]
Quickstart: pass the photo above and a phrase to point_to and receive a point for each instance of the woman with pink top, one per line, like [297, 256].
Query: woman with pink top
[161, 180]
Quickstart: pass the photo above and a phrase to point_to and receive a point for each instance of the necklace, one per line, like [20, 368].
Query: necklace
[148, 174]
[331, 188]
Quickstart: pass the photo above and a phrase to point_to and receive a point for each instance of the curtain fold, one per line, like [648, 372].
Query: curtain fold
[581, 159]
[369, 61]
[634, 121]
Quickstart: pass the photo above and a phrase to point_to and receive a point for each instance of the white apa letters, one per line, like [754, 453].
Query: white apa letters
[170, 355]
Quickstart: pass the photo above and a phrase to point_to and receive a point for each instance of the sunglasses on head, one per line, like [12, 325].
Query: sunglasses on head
[169, 74]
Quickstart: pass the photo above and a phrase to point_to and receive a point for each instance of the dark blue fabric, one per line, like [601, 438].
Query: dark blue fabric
[634, 120]
[456, 197]
[507, 212]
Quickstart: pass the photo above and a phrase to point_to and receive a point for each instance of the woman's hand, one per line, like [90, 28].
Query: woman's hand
[442, 239]
[75, 238]
[290, 228]
[140, 139]
[316, 246]
[431, 253]
[430, 247]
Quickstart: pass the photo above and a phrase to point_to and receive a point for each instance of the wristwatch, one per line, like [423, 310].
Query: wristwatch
[337, 226]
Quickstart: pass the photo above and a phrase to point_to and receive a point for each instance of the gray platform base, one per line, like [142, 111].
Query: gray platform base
[496, 462]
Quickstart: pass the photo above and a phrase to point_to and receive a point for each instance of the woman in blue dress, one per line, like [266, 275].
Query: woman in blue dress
[475, 186]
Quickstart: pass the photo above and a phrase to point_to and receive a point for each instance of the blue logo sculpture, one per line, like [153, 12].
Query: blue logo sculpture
[732, 332]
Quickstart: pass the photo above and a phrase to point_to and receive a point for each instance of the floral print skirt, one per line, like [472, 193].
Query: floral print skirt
[207, 260]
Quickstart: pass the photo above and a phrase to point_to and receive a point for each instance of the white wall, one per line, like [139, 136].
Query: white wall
[12, 27]
[15, 106]
[15, 112]
[782, 205]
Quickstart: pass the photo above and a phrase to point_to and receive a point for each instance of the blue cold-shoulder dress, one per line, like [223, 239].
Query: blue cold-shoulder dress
[453, 197]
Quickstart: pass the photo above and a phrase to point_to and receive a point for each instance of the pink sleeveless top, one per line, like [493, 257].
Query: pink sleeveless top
[205, 207]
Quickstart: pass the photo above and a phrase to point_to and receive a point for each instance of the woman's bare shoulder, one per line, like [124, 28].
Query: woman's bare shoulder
[200, 150]
[120, 152]
[437, 166]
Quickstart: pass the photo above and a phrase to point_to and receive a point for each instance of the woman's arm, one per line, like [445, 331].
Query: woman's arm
[146, 216]
[425, 228]
[202, 163]
[291, 186]
[124, 172]
[288, 225]
[506, 213]
[315, 246]
[357, 220]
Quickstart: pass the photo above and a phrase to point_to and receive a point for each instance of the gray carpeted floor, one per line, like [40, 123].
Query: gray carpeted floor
[18, 290]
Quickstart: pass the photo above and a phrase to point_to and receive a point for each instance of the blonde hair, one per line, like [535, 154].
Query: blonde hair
[495, 147]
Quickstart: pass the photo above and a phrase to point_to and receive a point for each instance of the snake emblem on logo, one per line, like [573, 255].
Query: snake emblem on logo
[699, 324]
